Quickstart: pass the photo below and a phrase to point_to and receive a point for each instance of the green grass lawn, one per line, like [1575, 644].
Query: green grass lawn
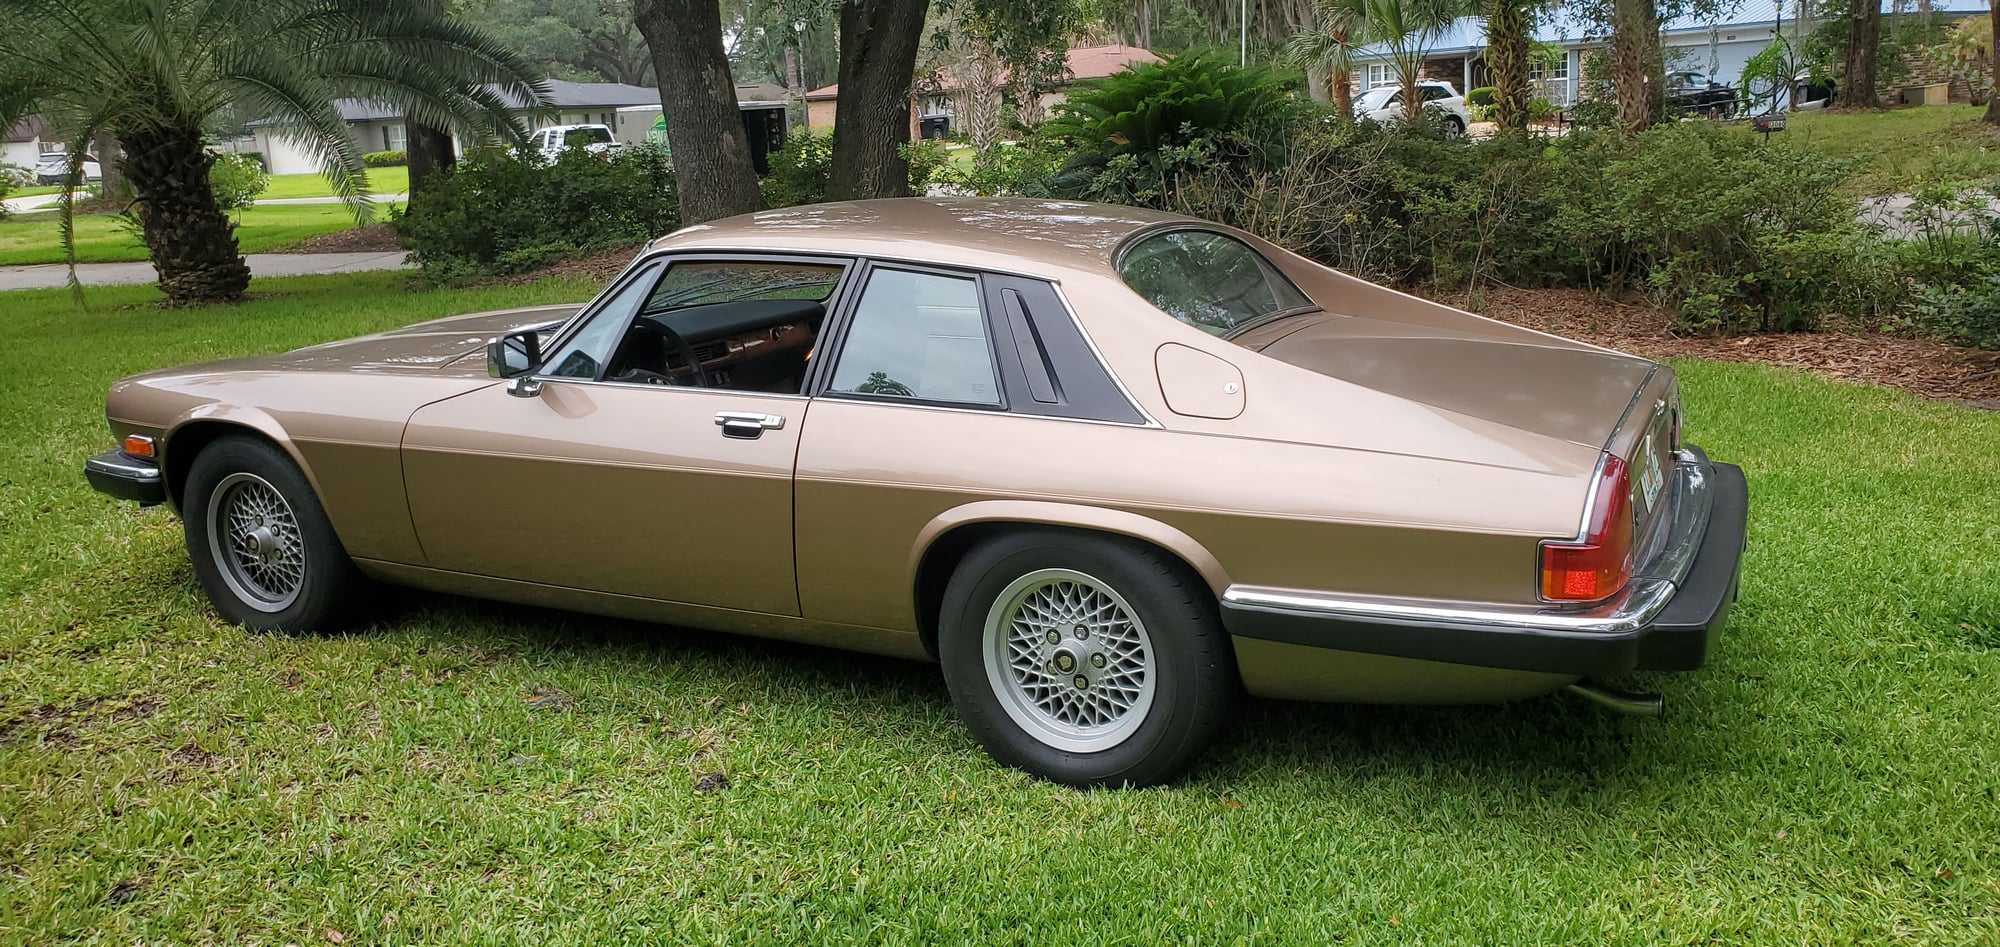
[1902, 149]
[34, 191]
[466, 772]
[380, 181]
[102, 238]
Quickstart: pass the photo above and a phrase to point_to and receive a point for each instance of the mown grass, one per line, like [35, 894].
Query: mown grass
[380, 181]
[28, 239]
[1899, 150]
[463, 772]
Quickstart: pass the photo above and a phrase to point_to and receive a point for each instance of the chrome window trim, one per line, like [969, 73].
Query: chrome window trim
[1098, 354]
[642, 386]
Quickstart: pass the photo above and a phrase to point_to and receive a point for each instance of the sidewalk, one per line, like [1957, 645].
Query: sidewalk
[55, 275]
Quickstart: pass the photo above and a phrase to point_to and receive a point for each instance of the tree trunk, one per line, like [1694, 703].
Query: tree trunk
[429, 150]
[1635, 44]
[1857, 74]
[1507, 55]
[1993, 60]
[704, 127]
[871, 121]
[192, 243]
[1341, 82]
[112, 186]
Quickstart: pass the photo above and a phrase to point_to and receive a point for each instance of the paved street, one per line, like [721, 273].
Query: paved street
[261, 264]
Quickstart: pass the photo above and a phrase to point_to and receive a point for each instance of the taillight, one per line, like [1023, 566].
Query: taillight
[1599, 564]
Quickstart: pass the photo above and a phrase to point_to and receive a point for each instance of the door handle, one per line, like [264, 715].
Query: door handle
[747, 424]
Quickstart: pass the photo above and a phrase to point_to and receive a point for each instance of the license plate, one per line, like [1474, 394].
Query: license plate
[1650, 477]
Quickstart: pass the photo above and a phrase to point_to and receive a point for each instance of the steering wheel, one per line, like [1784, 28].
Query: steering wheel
[684, 350]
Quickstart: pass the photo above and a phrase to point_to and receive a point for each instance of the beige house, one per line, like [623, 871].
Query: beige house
[1080, 63]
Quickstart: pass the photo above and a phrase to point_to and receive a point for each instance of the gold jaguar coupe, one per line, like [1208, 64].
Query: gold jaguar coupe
[1107, 467]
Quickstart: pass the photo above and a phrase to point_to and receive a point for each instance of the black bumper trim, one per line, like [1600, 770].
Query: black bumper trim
[127, 478]
[1677, 639]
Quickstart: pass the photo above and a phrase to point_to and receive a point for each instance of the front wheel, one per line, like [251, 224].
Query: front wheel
[261, 543]
[1083, 659]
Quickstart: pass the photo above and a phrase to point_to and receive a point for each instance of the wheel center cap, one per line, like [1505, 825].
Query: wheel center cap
[264, 544]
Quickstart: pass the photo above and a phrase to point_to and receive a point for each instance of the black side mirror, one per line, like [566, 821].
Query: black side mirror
[516, 353]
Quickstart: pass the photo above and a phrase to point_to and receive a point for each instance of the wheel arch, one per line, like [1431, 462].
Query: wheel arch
[185, 438]
[945, 540]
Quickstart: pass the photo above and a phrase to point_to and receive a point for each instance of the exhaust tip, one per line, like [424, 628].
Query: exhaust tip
[1625, 702]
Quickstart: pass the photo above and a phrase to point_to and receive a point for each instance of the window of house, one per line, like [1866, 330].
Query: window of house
[1539, 70]
[1379, 74]
[919, 336]
[395, 137]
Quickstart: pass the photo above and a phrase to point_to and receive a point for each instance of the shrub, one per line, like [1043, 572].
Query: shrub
[1129, 135]
[1485, 96]
[385, 159]
[800, 171]
[497, 213]
[1003, 170]
[237, 180]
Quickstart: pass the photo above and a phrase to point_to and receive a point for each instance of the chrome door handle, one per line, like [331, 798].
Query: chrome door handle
[747, 424]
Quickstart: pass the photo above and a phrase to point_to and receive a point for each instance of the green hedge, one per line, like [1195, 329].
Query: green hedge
[386, 159]
[496, 213]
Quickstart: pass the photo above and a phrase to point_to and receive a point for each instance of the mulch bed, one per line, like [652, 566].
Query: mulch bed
[598, 266]
[374, 238]
[1929, 369]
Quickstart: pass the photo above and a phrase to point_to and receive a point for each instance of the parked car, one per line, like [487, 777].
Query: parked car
[1385, 104]
[1694, 93]
[53, 168]
[549, 142]
[1105, 465]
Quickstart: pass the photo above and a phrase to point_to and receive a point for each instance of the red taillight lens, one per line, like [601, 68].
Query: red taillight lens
[1599, 565]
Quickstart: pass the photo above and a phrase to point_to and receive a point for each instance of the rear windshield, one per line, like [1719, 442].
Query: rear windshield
[588, 135]
[1209, 280]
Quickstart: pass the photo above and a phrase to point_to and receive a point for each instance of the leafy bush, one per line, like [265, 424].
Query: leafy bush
[237, 180]
[385, 159]
[1485, 96]
[1003, 170]
[800, 171]
[498, 213]
[1131, 134]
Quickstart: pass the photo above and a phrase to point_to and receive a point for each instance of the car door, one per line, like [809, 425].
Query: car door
[670, 492]
[939, 388]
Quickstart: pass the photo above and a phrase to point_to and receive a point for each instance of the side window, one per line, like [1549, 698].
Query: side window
[918, 335]
[587, 352]
[1433, 93]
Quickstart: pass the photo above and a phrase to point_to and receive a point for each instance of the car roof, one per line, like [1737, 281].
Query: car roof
[1020, 235]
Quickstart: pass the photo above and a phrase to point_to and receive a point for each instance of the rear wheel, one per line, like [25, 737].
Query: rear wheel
[1454, 127]
[1085, 660]
[261, 543]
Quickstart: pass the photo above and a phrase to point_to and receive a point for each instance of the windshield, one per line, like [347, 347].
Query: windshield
[1211, 281]
[1374, 99]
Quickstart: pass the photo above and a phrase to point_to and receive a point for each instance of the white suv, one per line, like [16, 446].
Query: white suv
[551, 141]
[1385, 104]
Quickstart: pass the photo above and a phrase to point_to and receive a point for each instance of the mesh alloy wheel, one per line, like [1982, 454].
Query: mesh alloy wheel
[1069, 659]
[254, 536]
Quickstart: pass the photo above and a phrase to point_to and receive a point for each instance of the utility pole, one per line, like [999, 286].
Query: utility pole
[1243, 32]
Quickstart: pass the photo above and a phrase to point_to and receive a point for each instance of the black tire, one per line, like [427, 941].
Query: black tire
[328, 585]
[1454, 128]
[1192, 664]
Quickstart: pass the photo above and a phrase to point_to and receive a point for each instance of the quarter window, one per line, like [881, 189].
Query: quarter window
[1208, 280]
[919, 336]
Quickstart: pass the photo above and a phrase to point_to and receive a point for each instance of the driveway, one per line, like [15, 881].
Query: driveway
[55, 275]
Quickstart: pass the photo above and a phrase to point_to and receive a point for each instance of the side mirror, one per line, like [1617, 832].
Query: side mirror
[516, 353]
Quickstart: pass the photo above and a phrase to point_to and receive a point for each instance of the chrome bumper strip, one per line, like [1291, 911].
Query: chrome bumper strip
[1652, 586]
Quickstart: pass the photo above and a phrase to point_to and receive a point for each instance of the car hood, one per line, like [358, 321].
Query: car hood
[1525, 381]
[439, 346]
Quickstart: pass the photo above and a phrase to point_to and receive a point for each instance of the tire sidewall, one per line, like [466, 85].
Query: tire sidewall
[1176, 611]
[329, 573]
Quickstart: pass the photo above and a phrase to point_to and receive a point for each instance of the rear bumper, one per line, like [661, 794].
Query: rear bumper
[1667, 620]
[126, 478]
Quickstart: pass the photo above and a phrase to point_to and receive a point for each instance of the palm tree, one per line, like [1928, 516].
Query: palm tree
[1329, 46]
[1509, 27]
[159, 74]
[1406, 29]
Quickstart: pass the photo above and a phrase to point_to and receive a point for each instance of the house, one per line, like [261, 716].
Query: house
[23, 144]
[629, 111]
[1718, 48]
[1079, 63]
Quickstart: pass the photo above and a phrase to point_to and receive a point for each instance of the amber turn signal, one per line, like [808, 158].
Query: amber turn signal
[138, 445]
